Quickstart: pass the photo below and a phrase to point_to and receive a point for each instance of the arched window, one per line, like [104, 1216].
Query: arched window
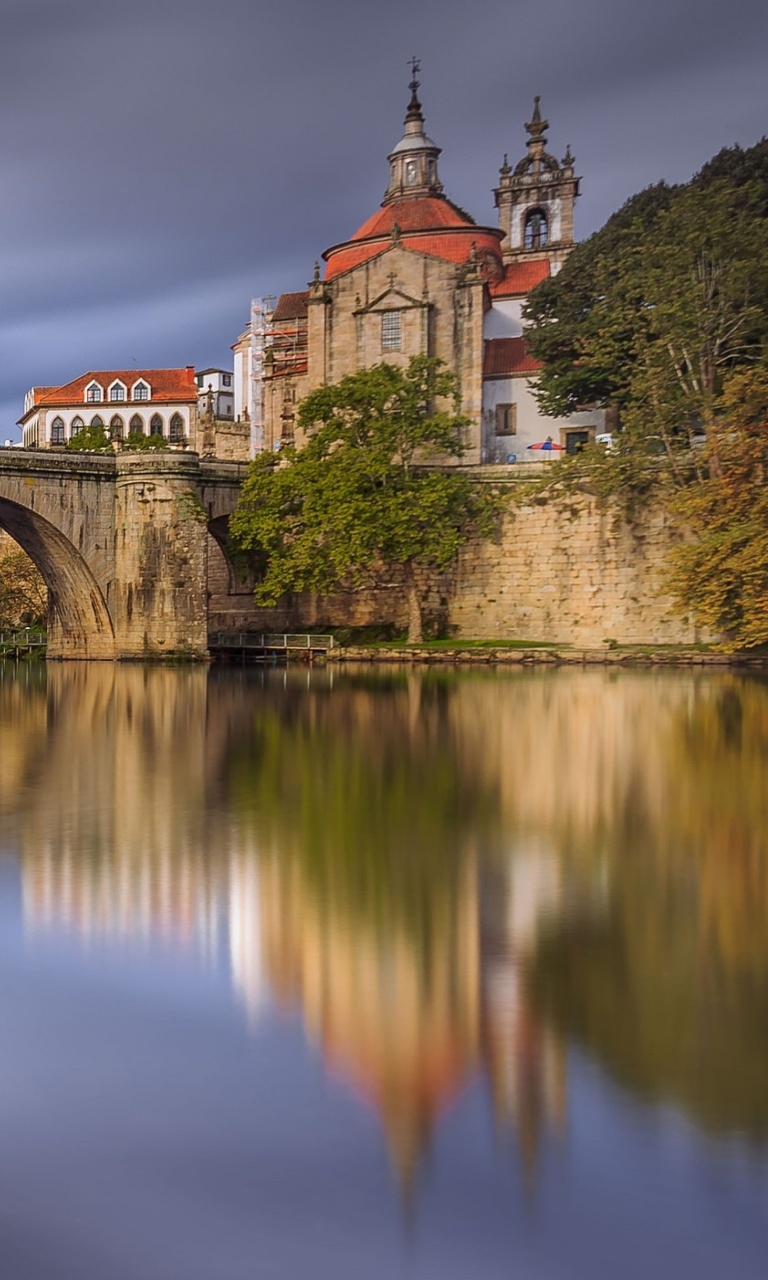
[137, 423]
[155, 425]
[176, 426]
[116, 427]
[97, 420]
[536, 229]
[77, 424]
[57, 431]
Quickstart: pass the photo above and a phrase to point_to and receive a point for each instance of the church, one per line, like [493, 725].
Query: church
[420, 276]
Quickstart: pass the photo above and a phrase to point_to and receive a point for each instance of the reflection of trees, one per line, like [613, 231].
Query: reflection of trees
[364, 785]
[445, 875]
[669, 988]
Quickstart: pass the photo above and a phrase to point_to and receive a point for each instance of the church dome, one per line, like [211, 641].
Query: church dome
[416, 214]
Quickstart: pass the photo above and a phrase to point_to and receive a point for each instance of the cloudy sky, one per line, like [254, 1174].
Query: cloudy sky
[163, 161]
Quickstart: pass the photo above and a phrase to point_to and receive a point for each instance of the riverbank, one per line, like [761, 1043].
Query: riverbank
[540, 656]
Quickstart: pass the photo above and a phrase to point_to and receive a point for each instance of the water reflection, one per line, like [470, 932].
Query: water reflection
[449, 879]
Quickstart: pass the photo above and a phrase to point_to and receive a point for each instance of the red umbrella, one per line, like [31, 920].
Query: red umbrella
[547, 444]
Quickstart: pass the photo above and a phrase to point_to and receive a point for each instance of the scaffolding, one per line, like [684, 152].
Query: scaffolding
[261, 312]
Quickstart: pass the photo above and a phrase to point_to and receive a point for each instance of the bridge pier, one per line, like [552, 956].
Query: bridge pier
[158, 602]
[122, 543]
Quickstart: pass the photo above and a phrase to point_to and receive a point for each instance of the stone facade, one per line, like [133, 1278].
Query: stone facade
[421, 277]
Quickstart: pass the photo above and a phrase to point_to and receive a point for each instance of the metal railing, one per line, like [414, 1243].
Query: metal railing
[278, 641]
[15, 642]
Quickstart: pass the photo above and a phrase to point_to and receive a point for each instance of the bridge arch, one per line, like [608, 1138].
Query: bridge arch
[79, 625]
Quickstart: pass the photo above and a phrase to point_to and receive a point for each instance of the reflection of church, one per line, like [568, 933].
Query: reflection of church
[405, 1017]
[421, 277]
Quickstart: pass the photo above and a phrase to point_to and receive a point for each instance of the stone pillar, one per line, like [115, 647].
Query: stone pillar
[469, 329]
[159, 599]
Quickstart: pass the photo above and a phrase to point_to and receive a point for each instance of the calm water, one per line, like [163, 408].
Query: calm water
[358, 977]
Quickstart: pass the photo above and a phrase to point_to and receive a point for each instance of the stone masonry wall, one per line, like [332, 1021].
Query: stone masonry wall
[572, 573]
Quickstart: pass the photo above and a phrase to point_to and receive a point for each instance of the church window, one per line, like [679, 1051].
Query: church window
[57, 431]
[506, 419]
[137, 423]
[390, 331]
[141, 391]
[77, 424]
[176, 427]
[155, 425]
[93, 393]
[116, 427]
[411, 173]
[536, 229]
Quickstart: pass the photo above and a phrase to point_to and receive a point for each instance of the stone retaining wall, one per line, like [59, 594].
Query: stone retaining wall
[570, 573]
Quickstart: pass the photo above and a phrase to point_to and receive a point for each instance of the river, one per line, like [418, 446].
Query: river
[358, 975]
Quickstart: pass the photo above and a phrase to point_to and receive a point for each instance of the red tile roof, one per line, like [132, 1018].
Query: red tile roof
[426, 224]
[165, 386]
[504, 357]
[520, 278]
[414, 213]
[290, 306]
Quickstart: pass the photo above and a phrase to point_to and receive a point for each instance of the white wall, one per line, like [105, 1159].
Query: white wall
[504, 320]
[532, 425]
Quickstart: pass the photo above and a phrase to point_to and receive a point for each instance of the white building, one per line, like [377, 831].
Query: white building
[156, 402]
[215, 389]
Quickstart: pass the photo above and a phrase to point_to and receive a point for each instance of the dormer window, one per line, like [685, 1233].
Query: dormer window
[94, 394]
[117, 392]
[141, 391]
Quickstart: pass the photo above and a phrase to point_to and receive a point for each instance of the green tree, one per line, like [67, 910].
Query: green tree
[357, 499]
[23, 595]
[90, 439]
[138, 442]
[720, 573]
[652, 313]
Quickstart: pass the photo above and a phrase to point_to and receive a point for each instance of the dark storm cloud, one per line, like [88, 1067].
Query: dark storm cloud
[162, 162]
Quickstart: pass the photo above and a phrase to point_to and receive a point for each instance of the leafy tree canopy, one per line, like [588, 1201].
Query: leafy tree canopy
[356, 499]
[653, 310]
[720, 573]
[23, 594]
[90, 439]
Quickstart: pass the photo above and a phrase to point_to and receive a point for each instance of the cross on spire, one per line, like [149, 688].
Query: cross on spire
[415, 65]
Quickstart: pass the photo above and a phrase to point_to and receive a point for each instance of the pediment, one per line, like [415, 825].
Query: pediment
[392, 299]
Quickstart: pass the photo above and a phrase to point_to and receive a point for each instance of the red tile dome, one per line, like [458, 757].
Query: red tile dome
[425, 224]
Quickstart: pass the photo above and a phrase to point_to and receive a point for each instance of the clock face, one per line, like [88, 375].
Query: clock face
[410, 172]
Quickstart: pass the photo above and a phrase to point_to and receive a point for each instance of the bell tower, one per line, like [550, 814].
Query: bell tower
[535, 200]
[413, 163]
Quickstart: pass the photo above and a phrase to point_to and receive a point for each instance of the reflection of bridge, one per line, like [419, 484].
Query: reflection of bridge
[122, 542]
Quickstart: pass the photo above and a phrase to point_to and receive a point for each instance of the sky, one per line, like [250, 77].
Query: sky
[164, 161]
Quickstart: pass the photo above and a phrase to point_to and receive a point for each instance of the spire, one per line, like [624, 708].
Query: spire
[413, 163]
[414, 106]
[536, 127]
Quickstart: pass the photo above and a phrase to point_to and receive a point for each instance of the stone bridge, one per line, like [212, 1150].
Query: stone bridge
[123, 542]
